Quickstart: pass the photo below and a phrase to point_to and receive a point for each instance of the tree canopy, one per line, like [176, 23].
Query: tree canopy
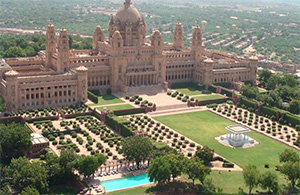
[205, 154]
[159, 170]
[137, 148]
[197, 170]
[251, 176]
[87, 165]
[28, 174]
[14, 139]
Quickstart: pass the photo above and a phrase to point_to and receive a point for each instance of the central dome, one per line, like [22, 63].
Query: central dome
[128, 13]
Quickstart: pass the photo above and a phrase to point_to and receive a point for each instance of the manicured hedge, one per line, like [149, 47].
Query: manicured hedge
[212, 89]
[226, 85]
[125, 130]
[187, 84]
[294, 120]
[247, 102]
[10, 119]
[228, 93]
[129, 111]
[68, 116]
[95, 92]
[67, 132]
[30, 120]
[269, 111]
[116, 123]
[93, 97]
[216, 101]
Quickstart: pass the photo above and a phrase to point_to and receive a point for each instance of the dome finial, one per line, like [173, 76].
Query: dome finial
[127, 1]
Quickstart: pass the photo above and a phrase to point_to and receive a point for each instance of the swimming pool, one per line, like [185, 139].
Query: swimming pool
[126, 182]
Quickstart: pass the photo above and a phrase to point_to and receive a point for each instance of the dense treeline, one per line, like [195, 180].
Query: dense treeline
[29, 45]
[282, 88]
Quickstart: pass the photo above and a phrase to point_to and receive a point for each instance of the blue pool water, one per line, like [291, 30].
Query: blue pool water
[126, 182]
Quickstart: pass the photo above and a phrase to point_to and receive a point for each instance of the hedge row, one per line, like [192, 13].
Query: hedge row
[269, 111]
[293, 119]
[247, 102]
[68, 116]
[52, 118]
[228, 93]
[214, 101]
[187, 84]
[212, 89]
[129, 111]
[10, 119]
[93, 97]
[116, 123]
[227, 85]
[66, 132]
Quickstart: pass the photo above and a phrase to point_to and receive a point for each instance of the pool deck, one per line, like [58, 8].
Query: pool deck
[96, 180]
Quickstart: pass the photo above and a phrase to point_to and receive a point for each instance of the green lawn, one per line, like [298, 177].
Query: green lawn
[204, 126]
[135, 191]
[209, 97]
[189, 91]
[107, 99]
[117, 107]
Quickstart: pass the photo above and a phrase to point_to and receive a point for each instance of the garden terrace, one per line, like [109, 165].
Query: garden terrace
[144, 125]
[204, 95]
[75, 109]
[261, 124]
[92, 138]
[34, 114]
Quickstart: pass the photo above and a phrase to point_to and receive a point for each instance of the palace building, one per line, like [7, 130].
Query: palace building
[124, 62]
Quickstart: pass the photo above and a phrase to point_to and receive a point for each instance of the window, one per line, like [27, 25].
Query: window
[119, 44]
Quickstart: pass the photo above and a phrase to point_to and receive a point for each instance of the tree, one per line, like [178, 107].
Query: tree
[294, 106]
[249, 91]
[24, 173]
[205, 154]
[269, 181]
[67, 161]
[195, 169]
[289, 155]
[30, 191]
[291, 170]
[60, 168]
[251, 176]
[87, 165]
[14, 139]
[137, 148]
[15, 52]
[177, 162]
[289, 79]
[159, 170]
[264, 75]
